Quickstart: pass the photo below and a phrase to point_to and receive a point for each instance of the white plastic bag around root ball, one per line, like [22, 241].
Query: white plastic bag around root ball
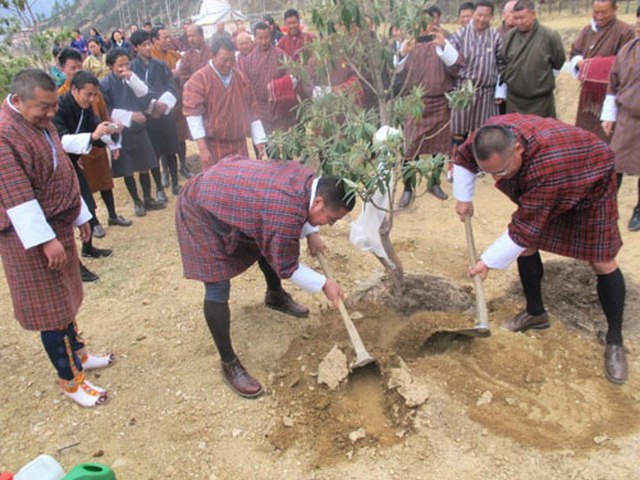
[365, 231]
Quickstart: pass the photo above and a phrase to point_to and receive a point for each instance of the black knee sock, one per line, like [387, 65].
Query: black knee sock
[273, 282]
[531, 272]
[619, 180]
[145, 183]
[130, 183]
[172, 163]
[612, 292]
[109, 202]
[218, 319]
[182, 154]
[60, 353]
[157, 178]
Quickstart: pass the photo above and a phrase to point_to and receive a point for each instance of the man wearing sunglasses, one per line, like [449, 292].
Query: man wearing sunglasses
[563, 182]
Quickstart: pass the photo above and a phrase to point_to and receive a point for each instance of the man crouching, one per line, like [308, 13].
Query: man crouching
[241, 211]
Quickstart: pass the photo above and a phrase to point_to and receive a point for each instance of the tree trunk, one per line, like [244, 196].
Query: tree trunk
[396, 272]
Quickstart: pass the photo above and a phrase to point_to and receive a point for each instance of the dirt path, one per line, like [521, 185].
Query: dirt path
[524, 406]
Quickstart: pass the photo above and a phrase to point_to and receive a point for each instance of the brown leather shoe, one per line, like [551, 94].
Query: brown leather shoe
[237, 377]
[405, 199]
[524, 321]
[615, 364]
[283, 302]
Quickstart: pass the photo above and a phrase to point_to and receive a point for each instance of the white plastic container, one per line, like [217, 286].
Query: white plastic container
[42, 468]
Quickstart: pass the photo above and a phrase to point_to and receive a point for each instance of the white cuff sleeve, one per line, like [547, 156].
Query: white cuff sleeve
[196, 127]
[574, 65]
[307, 279]
[257, 133]
[78, 143]
[113, 145]
[448, 54]
[556, 73]
[609, 109]
[30, 224]
[138, 86]
[307, 229]
[84, 216]
[122, 116]
[169, 100]
[151, 106]
[502, 253]
[464, 184]
[501, 90]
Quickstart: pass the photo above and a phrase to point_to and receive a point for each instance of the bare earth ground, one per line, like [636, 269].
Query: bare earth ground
[523, 406]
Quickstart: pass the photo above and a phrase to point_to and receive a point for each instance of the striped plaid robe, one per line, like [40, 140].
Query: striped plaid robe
[482, 53]
[565, 189]
[43, 299]
[239, 210]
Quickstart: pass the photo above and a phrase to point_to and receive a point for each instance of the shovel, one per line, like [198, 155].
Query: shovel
[481, 328]
[362, 356]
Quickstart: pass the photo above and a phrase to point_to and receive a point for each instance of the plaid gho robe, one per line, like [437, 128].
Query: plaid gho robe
[43, 299]
[565, 189]
[238, 210]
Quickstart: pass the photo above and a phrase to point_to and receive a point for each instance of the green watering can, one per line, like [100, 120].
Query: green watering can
[90, 471]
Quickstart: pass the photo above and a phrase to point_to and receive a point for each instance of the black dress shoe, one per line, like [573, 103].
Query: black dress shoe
[175, 189]
[185, 172]
[237, 377]
[152, 204]
[120, 221]
[93, 252]
[161, 197]
[139, 209]
[615, 364]
[634, 223]
[524, 321]
[405, 199]
[283, 302]
[437, 192]
[87, 275]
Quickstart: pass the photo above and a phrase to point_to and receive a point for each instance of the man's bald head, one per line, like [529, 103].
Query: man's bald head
[244, 42]
[195, 36]
[507, 13]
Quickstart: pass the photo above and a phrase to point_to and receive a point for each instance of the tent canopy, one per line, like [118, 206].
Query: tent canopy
[214, 11]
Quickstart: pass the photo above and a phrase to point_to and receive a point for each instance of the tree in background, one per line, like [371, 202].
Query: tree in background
[25, 44]
[338, 125]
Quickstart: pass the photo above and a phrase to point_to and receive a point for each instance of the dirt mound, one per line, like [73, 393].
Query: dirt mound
[421, 292]
[313, 414]
[543, 389]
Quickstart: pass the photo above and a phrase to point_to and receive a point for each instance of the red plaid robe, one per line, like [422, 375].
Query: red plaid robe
[43, 299]
[565, 189]
[432, 133]
[233, 213]
[227, 113]
[293, 45]
[260, 68]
